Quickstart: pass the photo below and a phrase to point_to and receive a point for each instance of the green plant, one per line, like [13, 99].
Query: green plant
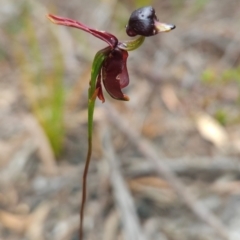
[43, 83]
[221, 116]
[209, 76]
[218, 81]
[109, 68]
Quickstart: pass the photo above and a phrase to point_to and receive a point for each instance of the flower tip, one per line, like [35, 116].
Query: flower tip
[51, 18]
[125, 98]
[163, 27]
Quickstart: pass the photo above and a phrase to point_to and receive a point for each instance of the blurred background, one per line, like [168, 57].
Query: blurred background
[184, 104]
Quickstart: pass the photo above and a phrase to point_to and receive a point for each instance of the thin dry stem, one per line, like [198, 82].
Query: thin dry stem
[130, 222]
[84, 187]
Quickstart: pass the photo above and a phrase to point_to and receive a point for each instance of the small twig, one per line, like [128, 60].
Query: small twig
[211, 165]
[17, 165]
[125, 203]
[148, 151]
[111, 226]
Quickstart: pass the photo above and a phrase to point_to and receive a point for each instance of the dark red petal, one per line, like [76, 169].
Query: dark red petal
[112, 71]
[99, 87]
[105, 36]
[123, 76]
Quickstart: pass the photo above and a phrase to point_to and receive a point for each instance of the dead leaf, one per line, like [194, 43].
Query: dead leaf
[169, 97]
[211, 130]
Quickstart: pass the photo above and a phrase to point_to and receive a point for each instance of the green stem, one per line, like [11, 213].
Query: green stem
[96, 68]
[130, 45]
[92, 94]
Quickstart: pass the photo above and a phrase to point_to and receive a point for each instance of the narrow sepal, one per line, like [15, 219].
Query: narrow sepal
[110, 39]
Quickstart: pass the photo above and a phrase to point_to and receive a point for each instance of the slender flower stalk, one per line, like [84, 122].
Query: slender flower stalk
[109, 68]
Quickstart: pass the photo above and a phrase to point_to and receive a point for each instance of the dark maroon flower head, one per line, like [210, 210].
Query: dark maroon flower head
[113, 73]
[144, 22]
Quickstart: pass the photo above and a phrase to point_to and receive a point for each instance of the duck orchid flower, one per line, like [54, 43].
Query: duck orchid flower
[112, 67]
